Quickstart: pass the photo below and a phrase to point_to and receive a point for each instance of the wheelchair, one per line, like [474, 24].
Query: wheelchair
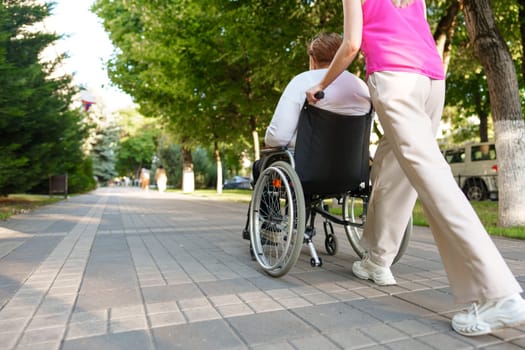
[331, 162]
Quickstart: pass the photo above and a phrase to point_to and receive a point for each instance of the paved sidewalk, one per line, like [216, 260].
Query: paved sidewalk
[123, 269]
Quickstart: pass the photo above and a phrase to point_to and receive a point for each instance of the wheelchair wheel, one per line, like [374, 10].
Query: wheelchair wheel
[330, 239]
[354, 210]
[277, 219]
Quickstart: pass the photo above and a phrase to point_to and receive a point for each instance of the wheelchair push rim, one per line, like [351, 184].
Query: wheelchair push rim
[276, 227]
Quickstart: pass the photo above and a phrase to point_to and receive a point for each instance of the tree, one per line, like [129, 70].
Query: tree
[136, 152]
[39, 134]
[509, 126]
[104, 153]
[102, 143]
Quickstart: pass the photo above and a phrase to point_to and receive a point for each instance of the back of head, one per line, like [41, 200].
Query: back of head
[323, 47]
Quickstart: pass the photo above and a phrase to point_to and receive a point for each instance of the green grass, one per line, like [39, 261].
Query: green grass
[243, 196]
[22, 203]
[488, 214]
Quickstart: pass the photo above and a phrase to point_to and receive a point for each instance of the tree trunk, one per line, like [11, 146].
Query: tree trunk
[219, 167]
[256, 150]
[255, 138]
[445, 31]
[509, 127]
[482, 115]
[188, 177]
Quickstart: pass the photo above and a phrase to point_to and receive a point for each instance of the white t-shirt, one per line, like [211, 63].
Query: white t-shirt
[346, 95]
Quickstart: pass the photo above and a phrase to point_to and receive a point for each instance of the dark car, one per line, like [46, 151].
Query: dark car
[238, 182]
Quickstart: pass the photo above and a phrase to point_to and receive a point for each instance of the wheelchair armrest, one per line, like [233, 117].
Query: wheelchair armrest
[269, 150]
[271, 154]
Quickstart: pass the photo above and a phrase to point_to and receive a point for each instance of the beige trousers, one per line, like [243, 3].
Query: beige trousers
[408, 164]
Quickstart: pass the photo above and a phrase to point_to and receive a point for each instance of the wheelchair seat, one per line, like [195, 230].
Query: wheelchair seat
[332, 151]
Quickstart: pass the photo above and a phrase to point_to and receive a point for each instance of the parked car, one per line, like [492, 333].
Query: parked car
[238, 182]
[475, 168]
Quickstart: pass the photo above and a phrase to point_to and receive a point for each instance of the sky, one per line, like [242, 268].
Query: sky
[88, 47]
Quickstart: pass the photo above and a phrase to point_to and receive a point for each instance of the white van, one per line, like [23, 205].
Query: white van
[475, 168]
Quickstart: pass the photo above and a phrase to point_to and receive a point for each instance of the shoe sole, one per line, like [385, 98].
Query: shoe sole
[491, 329]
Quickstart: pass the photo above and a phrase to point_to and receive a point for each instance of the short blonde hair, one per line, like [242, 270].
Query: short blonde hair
[322, 48]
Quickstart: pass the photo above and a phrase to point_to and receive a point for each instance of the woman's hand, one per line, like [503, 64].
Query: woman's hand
[313, 94]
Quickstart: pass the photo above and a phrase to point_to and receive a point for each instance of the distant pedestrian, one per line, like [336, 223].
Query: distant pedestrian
[144, 179]
[161, 178]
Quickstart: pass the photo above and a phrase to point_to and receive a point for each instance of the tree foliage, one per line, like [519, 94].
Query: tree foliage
[137, 151]
[39, 134]
[102, 142]
[212, 69]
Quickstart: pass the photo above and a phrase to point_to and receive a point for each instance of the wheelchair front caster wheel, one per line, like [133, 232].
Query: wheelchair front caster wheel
[314, 263]
[330, 244]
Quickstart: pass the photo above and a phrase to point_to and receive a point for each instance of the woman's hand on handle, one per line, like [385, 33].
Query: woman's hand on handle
[314, 94]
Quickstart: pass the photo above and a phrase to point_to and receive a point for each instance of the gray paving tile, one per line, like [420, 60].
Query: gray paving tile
[383, 333]
[227, 286]
[8, 340]
[276, 326]
[389, 308]
[437, 300]
[504, 346]
[519, 342]
[314, 342]
[350, 339]
[413, 328]
[106, 298]
[130, 340]
[272, 346]
[163, 294]
[42, 336]
[334, 316]
[409, 344]
[200, 335]
[87, 329]
[445, 341]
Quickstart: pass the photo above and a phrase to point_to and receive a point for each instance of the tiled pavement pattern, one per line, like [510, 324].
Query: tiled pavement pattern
[124, 269]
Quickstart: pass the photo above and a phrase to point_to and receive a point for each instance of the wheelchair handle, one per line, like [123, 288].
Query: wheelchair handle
[319, 95]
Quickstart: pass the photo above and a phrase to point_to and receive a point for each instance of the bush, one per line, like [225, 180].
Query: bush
[81, 179]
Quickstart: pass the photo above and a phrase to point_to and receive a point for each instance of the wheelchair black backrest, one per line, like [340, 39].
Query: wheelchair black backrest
[332, 151]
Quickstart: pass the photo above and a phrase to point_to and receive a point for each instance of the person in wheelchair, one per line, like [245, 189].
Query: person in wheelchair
[347, 95]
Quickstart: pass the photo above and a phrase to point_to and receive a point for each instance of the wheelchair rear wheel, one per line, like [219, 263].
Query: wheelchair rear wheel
[277, 219]
[354, 210]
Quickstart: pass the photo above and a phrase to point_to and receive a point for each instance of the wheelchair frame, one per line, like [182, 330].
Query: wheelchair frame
[279, 213]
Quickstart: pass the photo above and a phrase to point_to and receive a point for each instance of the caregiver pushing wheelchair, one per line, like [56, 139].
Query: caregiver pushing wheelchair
[314, 154]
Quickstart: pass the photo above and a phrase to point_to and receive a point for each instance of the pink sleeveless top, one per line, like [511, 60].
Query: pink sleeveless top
[399, 39]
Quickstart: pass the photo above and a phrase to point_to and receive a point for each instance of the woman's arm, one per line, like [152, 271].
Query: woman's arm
[353, 31]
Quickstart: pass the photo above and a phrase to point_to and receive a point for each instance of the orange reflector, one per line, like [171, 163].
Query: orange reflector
[276, 183]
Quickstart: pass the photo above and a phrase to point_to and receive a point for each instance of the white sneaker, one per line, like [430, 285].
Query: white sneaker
[367, 270]
[484, 318]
